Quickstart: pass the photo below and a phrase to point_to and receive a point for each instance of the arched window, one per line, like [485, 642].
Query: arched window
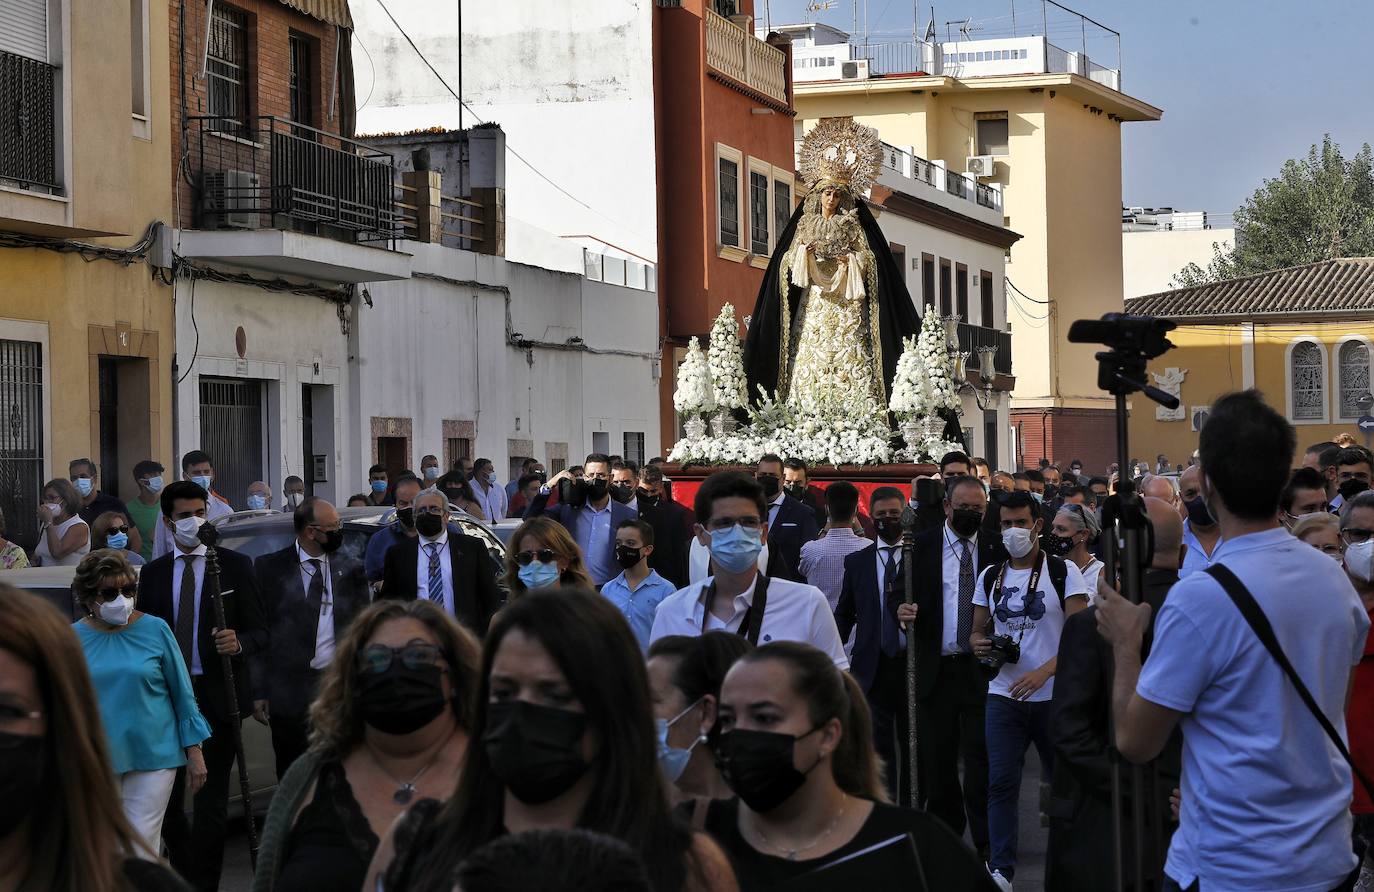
[1309, 381]
[1353, 376]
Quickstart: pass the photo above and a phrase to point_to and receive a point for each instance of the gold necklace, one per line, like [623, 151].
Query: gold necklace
[791, 854]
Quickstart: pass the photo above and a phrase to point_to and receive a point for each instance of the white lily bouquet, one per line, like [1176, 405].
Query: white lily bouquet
[938, 391]
[694, 394]
[906, 399]
[726, 361]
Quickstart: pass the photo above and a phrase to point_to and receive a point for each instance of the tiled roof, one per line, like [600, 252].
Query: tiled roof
[335, 12]
[1331, 286]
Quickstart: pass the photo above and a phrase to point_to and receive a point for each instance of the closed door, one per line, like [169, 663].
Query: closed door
[21, 438]
[231, 431]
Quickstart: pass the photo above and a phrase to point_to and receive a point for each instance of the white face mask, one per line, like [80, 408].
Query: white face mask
[185, 531]
[1018, 541]
[53, 508]
[1359, 560]
[117, 612]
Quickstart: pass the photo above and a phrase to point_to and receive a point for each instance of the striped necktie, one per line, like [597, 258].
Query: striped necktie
[436, 575]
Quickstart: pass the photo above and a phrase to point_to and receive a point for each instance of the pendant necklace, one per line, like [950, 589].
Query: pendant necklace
[791, 854]
[405, 790]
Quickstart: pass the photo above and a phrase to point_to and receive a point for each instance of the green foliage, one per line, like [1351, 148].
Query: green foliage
[1317, 208]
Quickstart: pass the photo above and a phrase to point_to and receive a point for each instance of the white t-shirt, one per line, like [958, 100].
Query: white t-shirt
[1037, 620]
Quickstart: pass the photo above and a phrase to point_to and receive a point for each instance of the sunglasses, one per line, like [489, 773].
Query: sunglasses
[378, 658]
[107, 594]
[543, 555]
[113, 530]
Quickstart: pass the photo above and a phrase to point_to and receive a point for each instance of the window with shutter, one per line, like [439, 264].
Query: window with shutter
[24, 28]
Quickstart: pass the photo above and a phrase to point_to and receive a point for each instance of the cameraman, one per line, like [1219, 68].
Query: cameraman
[1025, 599]
[1266, 794]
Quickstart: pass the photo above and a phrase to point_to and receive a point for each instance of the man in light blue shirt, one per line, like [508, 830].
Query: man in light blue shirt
[637, 591]
[1201, 532]
[1266, 795]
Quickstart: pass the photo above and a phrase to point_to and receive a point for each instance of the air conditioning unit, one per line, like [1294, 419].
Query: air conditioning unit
[856, 70]
[229, 198]
[979, 165]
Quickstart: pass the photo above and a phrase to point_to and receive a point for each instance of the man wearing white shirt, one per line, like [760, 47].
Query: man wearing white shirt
[196, 467]
[490, 495]
[791, 524]
[731, 508]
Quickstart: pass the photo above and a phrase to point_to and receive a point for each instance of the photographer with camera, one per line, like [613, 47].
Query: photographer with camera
[1024, 602]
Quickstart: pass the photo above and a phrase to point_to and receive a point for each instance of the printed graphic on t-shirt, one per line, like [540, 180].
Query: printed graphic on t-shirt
[1018, 611]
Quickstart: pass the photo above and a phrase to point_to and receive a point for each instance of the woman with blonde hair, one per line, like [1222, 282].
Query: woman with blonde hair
[541, 554]
[391, 724]
[147, 706]
[61, 825]
[113, 529]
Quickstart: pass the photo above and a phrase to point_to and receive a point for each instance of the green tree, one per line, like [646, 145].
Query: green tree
[1318, 208]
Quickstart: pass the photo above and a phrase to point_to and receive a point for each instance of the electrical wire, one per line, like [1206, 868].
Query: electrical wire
[1024, 294]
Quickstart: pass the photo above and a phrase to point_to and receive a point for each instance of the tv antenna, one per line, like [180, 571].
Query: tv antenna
[818, 6]
[966, 28]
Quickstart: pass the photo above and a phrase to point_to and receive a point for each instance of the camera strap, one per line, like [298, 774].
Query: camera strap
[1264, 631]
[1031, 586]
[752, 623]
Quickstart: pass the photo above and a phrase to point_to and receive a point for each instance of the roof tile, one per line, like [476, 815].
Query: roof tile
[1329, 286]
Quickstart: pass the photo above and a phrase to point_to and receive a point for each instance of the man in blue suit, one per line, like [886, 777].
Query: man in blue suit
[791, 524]
[590, 515]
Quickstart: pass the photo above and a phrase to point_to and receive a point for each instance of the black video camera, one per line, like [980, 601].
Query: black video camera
[1004, 650]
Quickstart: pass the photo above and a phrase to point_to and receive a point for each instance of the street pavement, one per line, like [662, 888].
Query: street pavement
[1030, 872]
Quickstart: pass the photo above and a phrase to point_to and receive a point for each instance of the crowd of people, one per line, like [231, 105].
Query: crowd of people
[652, 696]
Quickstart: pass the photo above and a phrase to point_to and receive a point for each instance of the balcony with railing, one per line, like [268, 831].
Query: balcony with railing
[742, 57]
[933, 180]
[972, 337]
[28, 124]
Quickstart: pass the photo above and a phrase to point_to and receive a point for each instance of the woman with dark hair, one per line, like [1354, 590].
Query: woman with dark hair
[567, 742]
[796, 746]
[685, 675]
[147, 706]
[541, 554]
[458, 489]
[391, 723]
[61, 825]
[63, 537]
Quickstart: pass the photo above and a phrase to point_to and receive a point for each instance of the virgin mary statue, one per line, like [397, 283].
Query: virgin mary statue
[827, 328]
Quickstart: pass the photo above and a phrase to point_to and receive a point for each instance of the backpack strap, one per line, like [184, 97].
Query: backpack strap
[1259, 623]
[1059, 576]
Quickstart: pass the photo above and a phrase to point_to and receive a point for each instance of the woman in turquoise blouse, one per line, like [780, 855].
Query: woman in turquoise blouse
[146, 703]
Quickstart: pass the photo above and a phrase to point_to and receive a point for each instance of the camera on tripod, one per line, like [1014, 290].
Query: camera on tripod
[1003, 650]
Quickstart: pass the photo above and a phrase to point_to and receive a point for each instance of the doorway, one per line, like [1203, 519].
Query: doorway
[393, 453]
[124, 434]
[231, 431]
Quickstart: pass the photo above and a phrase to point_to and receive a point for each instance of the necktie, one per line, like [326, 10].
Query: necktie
[891, 639]
[185, 631]
[436, 576]
[314, 597]
[965, 628]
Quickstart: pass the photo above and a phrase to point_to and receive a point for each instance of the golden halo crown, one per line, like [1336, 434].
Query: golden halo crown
[838, 149]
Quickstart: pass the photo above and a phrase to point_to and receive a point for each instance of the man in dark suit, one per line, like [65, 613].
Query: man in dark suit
[1081, 853]
[591, 516]
[951, 691]
[310, 595]
[455, 573]
[172, 588]
[673, 524]
[790, 523]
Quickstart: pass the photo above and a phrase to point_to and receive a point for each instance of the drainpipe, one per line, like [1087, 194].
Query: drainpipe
[1044, 434]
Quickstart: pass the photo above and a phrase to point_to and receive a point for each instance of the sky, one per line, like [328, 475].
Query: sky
[1244, 84]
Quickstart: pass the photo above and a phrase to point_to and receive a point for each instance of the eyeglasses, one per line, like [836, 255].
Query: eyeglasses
[106, 594]
[717, 524]
[378, 658]
[543, 555]
[1354, 535]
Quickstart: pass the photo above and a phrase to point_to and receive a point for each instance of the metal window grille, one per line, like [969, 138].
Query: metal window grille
[634, 447]
[1308, 381]
[729, 202]
[21, 438]
[28, 128]
[782, 206]
[231, 430]
[1354, 376]
[226, 66]
[758, 213]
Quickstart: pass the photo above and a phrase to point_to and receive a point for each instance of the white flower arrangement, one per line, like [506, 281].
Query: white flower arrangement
[694, 394]
[726, 361]
[907, 386]
[937, 390]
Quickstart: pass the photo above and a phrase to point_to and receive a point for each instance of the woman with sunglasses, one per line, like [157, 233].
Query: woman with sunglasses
[151, 720]
[113, 530]
[564, 740]
[541, 554]
[389, 727]
[1074, 529]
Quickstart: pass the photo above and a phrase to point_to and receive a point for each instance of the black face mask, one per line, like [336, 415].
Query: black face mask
[333, 539]
[1199, 515]
[1059, 546]
[407, 517]
[759, 768]
[965, 521]
[889, 529]
[1051, 491]
[627, 557]
[622, 492]
[22, 761]
[536, 751]
[596, 489]
[771, 485]
[428, 525]
[1351, 488]
[796, 490]
[647, 498]
[402, 699]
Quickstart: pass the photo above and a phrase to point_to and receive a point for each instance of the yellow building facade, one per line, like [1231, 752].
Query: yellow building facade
[1060, 173]
[1304, 337]
[86, 352]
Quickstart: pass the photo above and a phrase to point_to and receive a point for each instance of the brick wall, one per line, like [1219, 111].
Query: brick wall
[1062, 435]
[269, 24]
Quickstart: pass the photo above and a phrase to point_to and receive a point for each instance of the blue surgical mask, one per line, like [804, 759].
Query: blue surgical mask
[257, 502]
[672, 760]
[1038, 496]
[537, 574]
[154, 484]
[203, 481]
[491, 478]
[378, 486]
[432, 473]
[117, 540]
[736, 549]
[83, 485]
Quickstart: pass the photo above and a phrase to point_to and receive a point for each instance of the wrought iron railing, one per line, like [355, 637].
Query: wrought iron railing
[28, 123]
[971, 337]
[268, 172]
